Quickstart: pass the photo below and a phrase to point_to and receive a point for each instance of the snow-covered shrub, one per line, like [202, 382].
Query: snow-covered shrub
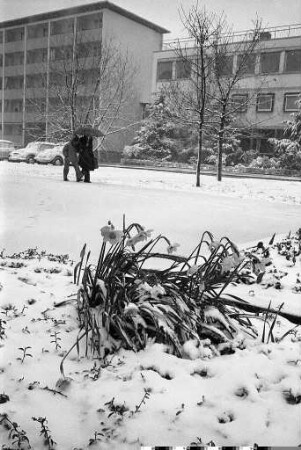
[263, 162]
[248, 156]
[132, 151]
[288, 150]
[155, 139]
[125, 299]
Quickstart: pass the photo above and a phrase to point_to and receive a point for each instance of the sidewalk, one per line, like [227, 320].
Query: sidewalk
[204, 172]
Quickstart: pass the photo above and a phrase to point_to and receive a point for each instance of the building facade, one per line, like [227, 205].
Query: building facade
[268, 91]
[31, 46]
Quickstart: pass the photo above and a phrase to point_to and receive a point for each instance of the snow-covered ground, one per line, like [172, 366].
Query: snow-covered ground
[248, 188]
[151, 397]
[38, 209]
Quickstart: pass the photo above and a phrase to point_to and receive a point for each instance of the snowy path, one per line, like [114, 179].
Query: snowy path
[40, 210]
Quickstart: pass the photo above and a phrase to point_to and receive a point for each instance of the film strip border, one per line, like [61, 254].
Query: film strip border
[204, 447]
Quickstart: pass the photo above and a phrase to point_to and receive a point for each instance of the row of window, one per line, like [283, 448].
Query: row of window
[269, 62]
[39, 80]
[38, 105]
[62, 26]
[15, 129]
[38, 55]
[265, 102]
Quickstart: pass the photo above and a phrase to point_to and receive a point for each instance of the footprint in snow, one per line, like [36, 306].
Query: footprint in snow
[226, 417]
[27, 281]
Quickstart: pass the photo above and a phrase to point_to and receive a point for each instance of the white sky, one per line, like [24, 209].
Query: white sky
[239, 13]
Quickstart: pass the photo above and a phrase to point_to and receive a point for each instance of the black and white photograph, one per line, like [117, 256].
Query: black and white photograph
[150, 224]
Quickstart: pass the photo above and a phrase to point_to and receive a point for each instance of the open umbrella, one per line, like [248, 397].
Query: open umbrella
[88, 130]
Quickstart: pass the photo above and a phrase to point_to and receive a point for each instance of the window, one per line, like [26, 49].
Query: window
[13, 106]
[269, 62]
[56, 79]
[62, 26]
[224, 65]
[0, 84]
[55, 103]
[35, 105]
[239, 102]
[37, 80]
[14, 82]
[12, 129]
[89, 22]
[37, 31]
[164, 70]
[88, 49]
[265, 102]
[183, 69]
[59, 53]
[90, 76]
[36, 56]
[35, 130]
[16, 34]
[1, 60]
[293, 61]
[246, 63]
[290, 102]
[1, 37]
[14, 59]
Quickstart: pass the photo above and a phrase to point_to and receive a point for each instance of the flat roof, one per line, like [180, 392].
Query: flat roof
[60, 13]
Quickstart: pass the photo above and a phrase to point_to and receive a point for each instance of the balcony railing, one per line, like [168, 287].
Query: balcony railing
[279, 32]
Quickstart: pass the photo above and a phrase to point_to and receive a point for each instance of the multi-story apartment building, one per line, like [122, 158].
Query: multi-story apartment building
[268, 90]
[29, 45]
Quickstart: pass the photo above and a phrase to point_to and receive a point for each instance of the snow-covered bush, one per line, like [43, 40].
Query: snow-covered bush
[248, 156]
[264, 162]
[155, 138]
[288, 150]
[125, 300]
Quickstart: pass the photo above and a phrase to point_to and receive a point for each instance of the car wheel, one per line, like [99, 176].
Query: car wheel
[30, 160]
[57, 162]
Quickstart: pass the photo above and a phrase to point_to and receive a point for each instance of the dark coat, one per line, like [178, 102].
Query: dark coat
[86, 159]
[86, 156]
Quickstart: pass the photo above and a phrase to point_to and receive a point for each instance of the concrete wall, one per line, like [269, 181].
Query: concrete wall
[140, 41]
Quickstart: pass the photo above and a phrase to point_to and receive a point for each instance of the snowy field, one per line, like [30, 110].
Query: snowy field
[249, 395]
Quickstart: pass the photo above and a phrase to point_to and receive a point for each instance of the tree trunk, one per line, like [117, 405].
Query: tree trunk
[220, 147]
[200, 148]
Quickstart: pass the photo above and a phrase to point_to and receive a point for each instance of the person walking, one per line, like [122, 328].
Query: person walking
[86, 156]
[70, 151]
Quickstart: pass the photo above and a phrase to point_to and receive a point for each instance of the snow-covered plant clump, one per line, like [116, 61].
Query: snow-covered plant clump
[133, 295]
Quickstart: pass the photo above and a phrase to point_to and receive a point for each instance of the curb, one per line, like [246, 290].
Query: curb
[203, 172]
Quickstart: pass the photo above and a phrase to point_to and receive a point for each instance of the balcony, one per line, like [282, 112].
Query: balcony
[279, 32]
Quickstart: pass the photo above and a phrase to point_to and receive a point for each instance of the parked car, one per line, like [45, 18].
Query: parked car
[51, 156]
[28, 153]
[5, 148]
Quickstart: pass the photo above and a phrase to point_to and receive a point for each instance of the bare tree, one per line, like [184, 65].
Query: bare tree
[204, 100]
[190, 98]
[226, 76]
[87, 83]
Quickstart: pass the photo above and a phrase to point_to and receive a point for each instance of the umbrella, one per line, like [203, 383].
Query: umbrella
[89, 131]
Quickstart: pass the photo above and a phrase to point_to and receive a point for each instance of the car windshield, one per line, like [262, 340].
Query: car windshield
[39, 146]
[33, 146]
